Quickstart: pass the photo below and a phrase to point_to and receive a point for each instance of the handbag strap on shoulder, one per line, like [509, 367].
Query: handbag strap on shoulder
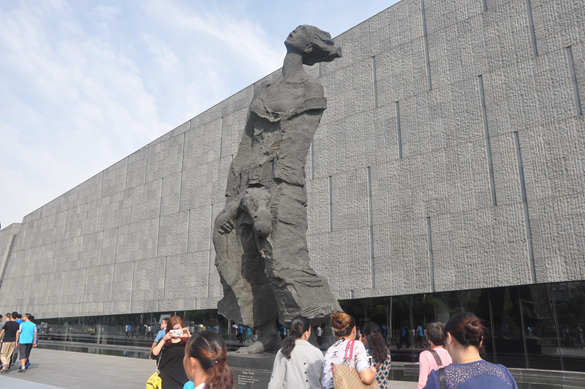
[442, 384]
[437, 357]
[349, 351]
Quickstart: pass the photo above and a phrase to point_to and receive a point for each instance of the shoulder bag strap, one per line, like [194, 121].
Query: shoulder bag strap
[348, 351]
[437, 357]
[159, 358]
[442, 384]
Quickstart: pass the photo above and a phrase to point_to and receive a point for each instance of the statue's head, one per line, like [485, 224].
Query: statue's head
[314, 44]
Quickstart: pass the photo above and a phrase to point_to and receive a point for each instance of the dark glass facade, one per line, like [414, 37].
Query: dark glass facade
[530, 326]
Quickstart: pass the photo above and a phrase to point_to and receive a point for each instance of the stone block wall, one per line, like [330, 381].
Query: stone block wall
[451, 156]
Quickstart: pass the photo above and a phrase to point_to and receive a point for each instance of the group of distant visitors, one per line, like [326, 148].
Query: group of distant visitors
[244, 334]
[140, 331]
[18, 336]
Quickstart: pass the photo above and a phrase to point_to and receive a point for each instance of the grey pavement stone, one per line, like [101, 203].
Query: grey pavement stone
[70, 370]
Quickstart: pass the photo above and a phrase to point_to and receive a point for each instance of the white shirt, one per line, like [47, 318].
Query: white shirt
[319, 331]
[335, 354]
[302, 370]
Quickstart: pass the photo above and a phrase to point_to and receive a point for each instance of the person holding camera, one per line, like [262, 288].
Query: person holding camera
[171, 349]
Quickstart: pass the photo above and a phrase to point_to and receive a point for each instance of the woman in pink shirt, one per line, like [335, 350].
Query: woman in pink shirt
[437, 357]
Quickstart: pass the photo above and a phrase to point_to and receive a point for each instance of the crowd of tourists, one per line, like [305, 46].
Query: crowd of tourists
[199, 361]
[454, 361]
[186, 361]
[18, 336]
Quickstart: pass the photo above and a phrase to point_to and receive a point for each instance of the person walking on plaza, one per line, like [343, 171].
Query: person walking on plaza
[8, 343]
[26, 339]
[205, 362]
[160, 335]
[579, 335]
[345, 330]
[319, 335]
[376, 348]
[17, 317]
[464, 338]
[435, 358]
[419, 336]
[298, 364]
[241, 333]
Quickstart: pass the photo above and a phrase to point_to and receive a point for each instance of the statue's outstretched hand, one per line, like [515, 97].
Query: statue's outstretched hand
[226, 227]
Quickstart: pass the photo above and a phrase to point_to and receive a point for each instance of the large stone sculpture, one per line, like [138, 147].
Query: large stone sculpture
[260, 235]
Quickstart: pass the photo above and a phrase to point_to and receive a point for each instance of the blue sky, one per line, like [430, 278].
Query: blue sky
[85, 83]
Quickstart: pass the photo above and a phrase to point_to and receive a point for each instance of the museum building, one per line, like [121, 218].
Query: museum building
[447, 174]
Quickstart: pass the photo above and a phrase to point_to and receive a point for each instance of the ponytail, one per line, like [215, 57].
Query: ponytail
[299, 325]
[210, 350]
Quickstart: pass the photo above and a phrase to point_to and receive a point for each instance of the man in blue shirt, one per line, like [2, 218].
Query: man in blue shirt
[161, 334]
[26, 339]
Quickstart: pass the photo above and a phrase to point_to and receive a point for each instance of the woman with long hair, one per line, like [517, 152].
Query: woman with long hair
[464, 338]
[205, 362]
[376, 347]
[345, 330]
[171, 349]
[298, 363]
[435, 358]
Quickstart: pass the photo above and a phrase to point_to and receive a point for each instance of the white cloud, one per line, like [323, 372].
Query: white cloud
[83, 85]
[71, 107]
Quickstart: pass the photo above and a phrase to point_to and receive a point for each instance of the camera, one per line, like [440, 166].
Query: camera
[176, 333]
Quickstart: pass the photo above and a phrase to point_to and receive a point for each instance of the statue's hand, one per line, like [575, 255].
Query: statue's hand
[226, 227]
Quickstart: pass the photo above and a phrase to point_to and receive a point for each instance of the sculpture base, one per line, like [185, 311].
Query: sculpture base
[251, 371]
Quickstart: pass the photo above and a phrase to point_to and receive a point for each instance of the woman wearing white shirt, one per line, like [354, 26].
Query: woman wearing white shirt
[345, 330]
[205, 362]
[298, 364]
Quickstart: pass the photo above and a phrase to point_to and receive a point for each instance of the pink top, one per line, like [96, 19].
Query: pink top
[428, 363]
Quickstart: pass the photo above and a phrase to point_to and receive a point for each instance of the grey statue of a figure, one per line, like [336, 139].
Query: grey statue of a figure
[260, 236]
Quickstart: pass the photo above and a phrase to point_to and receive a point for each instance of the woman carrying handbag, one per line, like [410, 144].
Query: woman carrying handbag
[346, 361]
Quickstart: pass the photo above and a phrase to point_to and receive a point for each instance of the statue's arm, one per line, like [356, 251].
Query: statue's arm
[225, 220]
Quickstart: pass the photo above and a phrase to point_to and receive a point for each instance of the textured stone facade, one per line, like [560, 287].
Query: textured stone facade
[451, 156]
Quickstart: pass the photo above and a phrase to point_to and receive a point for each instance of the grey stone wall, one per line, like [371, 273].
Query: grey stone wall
[451, 156]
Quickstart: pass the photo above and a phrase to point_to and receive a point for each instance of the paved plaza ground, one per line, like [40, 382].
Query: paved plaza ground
[51, 369]
[69, 370]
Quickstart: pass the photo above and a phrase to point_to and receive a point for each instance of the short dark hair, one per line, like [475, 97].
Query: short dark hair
[18, 316]
[14, 314]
